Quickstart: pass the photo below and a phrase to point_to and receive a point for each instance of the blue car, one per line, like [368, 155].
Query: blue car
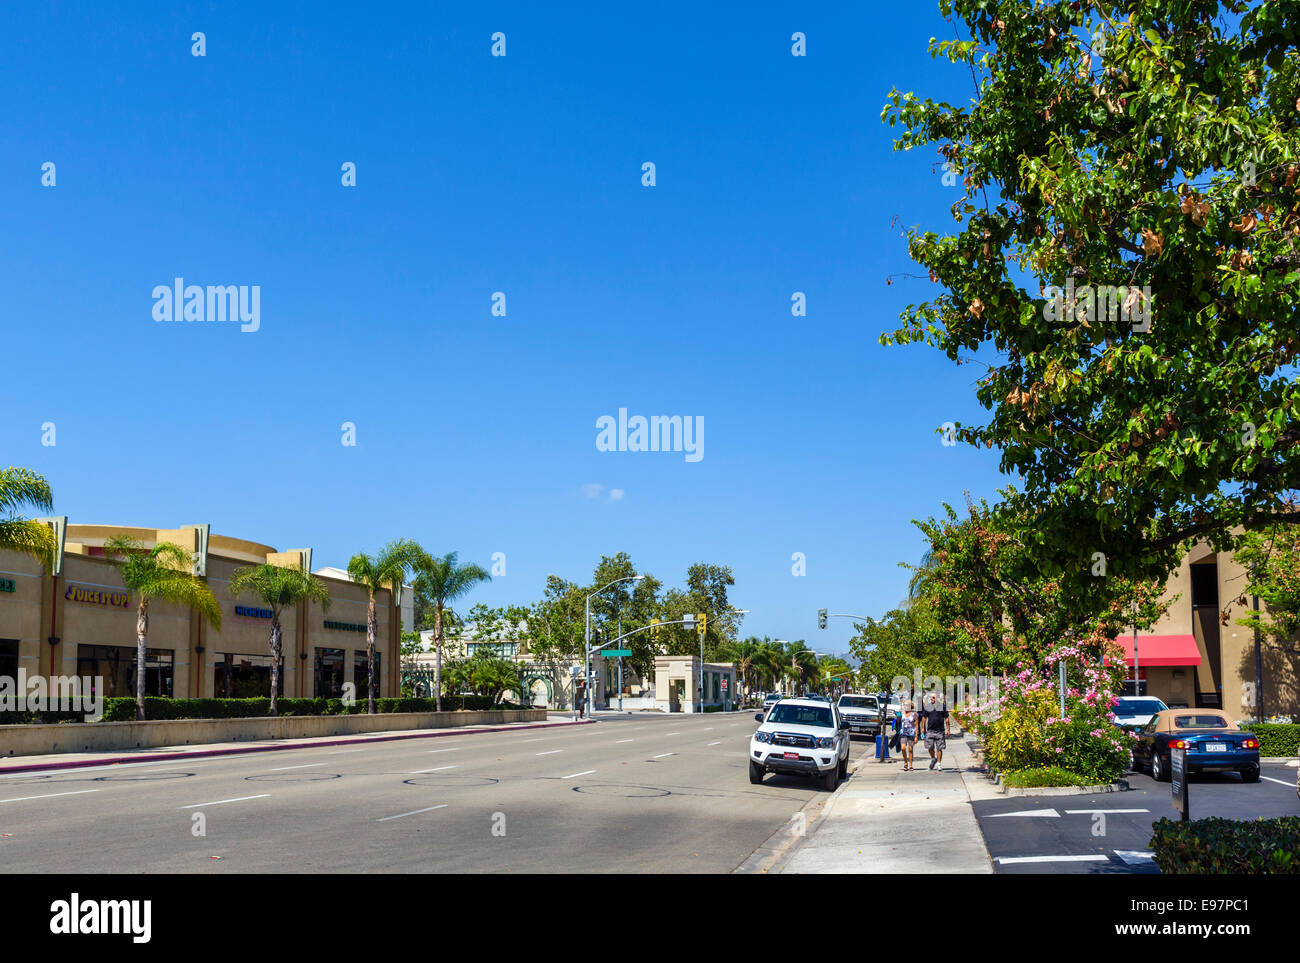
[1214, 743]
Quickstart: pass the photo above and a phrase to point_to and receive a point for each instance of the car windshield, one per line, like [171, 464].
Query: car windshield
[1198, 721]
[857, 702]
[1138, 707]
[801, 715]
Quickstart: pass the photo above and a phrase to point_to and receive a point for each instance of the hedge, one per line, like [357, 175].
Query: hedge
[1044, 776]
[1227, 846]
[1276, 739]
[156, 707]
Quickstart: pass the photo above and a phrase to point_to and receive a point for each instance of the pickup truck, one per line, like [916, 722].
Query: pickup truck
[862, 713]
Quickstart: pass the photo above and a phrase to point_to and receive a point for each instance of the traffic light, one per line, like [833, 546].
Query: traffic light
[821, 618]
[700, 622]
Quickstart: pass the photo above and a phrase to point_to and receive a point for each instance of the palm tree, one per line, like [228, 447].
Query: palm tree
[800, 661]
[276, 587]
[160, 573]
[19, 487]
[746, 655]
[442, 581]
[387, 570]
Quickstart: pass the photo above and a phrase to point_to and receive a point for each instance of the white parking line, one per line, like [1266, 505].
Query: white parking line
[413, 812]
[577, 774]
[1107, 811]
[49, 795]
[549, 752]
[422, 771]
[662, 754]
[1008, 860]
[1280, 782]
[308, 765]
[221, 801]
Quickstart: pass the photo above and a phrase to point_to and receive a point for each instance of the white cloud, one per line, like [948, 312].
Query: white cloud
[592, 490]
[616, 494]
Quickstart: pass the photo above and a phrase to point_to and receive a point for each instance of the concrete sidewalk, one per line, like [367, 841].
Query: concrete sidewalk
[81, 760]
[885, 820]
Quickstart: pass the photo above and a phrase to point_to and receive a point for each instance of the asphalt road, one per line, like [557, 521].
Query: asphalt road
[1109, 832]
[646, 793]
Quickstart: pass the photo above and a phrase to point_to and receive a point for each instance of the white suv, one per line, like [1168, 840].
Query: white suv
[800, 736]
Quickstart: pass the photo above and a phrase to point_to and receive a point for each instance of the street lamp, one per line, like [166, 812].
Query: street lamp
[587, 637]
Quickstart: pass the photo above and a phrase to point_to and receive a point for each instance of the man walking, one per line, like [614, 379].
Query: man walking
[934, 719]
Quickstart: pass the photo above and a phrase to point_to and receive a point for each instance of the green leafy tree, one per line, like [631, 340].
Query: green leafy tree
[443, 580]
[21, 488]
[162, 573]
[278, 587]
[386, 570]
[1272, 562]
[1152, 148]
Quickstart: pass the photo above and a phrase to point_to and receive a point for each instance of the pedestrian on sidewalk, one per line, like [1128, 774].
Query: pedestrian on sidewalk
[937, 729]
[907, 734]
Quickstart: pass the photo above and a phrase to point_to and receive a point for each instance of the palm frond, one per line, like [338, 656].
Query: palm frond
[30, 538]
[22, 486]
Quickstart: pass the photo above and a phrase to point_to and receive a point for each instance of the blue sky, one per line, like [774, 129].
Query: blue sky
[478, 174]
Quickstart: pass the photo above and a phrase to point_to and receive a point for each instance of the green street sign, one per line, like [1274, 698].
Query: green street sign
[618, 652]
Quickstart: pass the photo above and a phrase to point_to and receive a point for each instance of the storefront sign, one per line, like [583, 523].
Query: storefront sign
[253, 613]
[6, 585]
[344, 626]
[81, 593]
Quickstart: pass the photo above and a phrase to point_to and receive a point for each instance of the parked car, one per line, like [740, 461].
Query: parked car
[1134, 712]
[1214, 743]
[800, 737]
[862, 712]
[772, 699]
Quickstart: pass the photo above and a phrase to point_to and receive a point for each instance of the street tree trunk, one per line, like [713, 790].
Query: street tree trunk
[437, 654]
[371, 624]
[141, 630]
[276, 642]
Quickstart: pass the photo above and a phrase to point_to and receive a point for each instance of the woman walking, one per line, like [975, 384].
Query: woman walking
[907, 735]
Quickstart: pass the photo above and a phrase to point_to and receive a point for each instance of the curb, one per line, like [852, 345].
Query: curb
[241, 750]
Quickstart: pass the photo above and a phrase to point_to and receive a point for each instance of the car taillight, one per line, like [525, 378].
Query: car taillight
[1250, 744]
[1178, 744]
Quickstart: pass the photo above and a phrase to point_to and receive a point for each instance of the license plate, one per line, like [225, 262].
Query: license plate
[1216, 747]
[792, 755]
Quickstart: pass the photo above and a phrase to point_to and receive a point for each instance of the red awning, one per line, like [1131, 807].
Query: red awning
[1161, 650]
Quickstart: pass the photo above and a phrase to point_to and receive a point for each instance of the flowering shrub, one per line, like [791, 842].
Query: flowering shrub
[1022, 728]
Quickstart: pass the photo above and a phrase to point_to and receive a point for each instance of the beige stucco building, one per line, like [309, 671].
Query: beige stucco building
[79, 620]
[1197, 654]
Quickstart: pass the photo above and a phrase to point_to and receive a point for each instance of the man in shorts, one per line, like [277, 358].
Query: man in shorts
[935, 725]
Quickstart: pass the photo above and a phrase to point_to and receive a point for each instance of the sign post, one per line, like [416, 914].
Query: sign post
[1178, 782]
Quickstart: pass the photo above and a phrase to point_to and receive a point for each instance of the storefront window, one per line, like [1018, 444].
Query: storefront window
[329, 673]
[361, 673]
[116, 664]
[9, 659]
[238, 676]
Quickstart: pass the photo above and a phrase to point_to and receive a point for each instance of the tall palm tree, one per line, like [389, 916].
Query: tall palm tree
[746, 656]
[21, 487]
[442, 580]
[276, 587]
[387, 570]
[161, 573]
[800, 663]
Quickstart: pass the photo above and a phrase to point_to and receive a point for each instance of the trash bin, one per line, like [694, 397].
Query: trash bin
[882, 746]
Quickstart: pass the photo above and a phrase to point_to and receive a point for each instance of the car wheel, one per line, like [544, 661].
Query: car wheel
[844, 766]
[755, 773]
[1158, 769]
[831, 779]
[1251, 774]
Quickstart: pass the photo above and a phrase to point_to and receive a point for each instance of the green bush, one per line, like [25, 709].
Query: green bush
[1044, 776]
[1227, 846]
[1276, 739]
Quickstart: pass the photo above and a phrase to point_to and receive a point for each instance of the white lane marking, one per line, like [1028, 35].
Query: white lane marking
[622, 740]
[457, 749]
[49, 795]
[341, 751]
[672, 733]
[220, 801]
[77, 769]
[422, 771]
[1008, 860]
[413, 812]
[1280, 782]
[308, 765]
[1031, 812]
[718, 743]
[707, 729]
[577, 774]
[1134, 857]
[525, 741]
[549, 752]
[1070, 812]
[662, 754]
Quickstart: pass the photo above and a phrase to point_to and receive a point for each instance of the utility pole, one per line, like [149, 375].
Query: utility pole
[1259, 667]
